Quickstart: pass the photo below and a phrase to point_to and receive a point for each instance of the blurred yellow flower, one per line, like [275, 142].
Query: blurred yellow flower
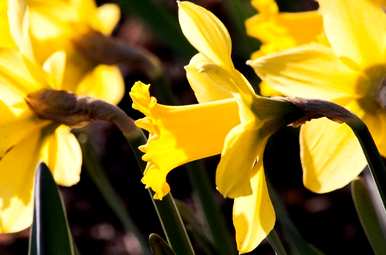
[350, 72]
[27, 139]
[230, 119]
[59, 25]
[281, 30]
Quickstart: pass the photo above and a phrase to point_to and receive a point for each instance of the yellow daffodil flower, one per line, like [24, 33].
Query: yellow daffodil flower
[58, 25]
[280, 30]
[230, 120]
[350, 72]
[25, 138]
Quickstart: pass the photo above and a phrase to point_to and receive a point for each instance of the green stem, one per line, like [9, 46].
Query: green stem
[374, 159]
[368, 217]
[219, 232]
[275, 242]
[166, 209]
[97, 175]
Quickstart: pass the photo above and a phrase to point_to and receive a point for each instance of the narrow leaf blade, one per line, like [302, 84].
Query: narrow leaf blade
[50, 233]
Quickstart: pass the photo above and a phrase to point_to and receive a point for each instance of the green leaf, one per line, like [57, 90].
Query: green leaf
[50, 233]
[368, 216]
[159, 246]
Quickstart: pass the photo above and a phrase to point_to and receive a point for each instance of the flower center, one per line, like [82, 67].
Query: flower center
[381, 93]
[372, 85]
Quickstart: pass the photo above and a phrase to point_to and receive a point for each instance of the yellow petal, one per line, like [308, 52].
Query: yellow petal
[243, 149]
[19, 26]
[18, 76]
[16, 184]
[79, 69]
[232, 81]
[309, 71]
[61, 152]
[17, 128]
[253, 215]
[54, 66]
[331, 155]
[355, 29]
[265, 6]
[106, 18]
[376, 123]
[180, 134]
[50, 22]
[205, 87]
[206, 33]
[104, 82]
[282, 31]
[6, 40]
[266, 90]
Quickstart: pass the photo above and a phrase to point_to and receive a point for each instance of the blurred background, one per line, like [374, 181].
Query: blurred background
[327, 221]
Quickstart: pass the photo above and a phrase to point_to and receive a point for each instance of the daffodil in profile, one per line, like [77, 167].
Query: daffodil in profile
[230, 119]
[350, 71]
[77, 27]
[26, 138]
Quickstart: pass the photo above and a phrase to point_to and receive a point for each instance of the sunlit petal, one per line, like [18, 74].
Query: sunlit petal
[19, 26]
[206, 33]
[16, 184]
[282, 31]
[106, 18]
[18, 76]
[310, 71]
[205, 87]
[331, 155]
[243, 149]
[355, 29]
[54, 66]
[265, 7]
[17, 128]
[253, 215]
[104, 82]
[61, 152]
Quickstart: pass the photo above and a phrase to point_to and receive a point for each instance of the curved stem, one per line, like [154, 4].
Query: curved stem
[374, 159]
[312, 109]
